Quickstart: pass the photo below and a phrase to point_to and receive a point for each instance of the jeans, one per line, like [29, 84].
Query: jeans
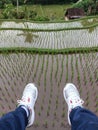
[15, 120]
[83, 119]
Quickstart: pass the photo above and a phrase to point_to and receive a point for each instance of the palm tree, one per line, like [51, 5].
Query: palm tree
[17, 6]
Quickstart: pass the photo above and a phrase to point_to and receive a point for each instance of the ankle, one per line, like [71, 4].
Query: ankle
[26, 110]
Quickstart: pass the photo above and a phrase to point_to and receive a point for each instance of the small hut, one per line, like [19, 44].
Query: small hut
[74, 13]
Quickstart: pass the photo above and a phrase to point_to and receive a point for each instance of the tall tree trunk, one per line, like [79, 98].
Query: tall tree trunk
[17, 6]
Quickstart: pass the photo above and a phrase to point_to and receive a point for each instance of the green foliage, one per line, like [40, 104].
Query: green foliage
[36, 12]
[41, 18]
[7, 11]
[44, 2]
[3, 3]
[89, 6]
[48, 51]
[10, 12]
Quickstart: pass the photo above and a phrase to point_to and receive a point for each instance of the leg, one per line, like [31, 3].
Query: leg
[83, 119]
[16, 120]
[24, 115]
[78, 117]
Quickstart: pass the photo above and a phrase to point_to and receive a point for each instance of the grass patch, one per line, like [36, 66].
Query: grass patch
[49, 10]
[95, 18]
[49, 51]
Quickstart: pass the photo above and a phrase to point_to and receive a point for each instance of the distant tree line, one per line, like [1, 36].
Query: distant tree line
[51, 1]
[43, 2]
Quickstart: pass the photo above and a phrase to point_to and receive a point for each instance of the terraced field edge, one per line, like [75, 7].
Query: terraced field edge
[48, 51]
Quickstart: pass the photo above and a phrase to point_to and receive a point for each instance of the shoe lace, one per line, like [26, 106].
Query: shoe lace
[75, 101]
[26, 98]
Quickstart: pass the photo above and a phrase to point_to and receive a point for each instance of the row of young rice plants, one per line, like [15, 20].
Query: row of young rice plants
[49, 40]
[49, 35]
[92, 75]
[49, 25]
[12, 24]
[88, 76]
[50, 72]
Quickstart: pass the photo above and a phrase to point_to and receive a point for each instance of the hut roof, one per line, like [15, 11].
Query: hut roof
[74, 13]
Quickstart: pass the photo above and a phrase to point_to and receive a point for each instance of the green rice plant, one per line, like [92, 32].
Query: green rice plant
[39, 113]
[45, 124]
[57, 66]
[53, 124]
[63, 114]
[43, 99]
[58, 84]
[62, 67]
[66, 68]
[51, 93]
[45, 74]
[49, 101]
[43, 64]
[89, 70]
[47, 112]
[95, 99]
[41, 72]
[78, 73]
[51, 73]
[57, 102]
[36, 124]
[38, 62]
[82, 67]
[72, 71]
[55, 114]
[49, 107]
[63, 124]
[48, 51]
[33, 63]
[87, 99]
[41, 107]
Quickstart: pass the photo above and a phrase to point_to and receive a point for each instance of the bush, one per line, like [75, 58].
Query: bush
[29, 14]
[41, 18]
[11, 13]
[86, 5]
[4, 2]
[6, 13]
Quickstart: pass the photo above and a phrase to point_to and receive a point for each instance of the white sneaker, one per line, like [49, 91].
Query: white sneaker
[72, 98]
[28, 100]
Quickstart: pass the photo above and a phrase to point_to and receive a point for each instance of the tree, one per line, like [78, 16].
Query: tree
[17, 6]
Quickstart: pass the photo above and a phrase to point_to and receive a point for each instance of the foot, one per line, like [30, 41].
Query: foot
[72, 98]
[28, 100]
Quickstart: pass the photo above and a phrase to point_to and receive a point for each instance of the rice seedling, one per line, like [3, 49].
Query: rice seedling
[45, 124]
[72, 74]
[36, 124]
[53, 124]
[45, 74]
[57, 66]
[66, 68]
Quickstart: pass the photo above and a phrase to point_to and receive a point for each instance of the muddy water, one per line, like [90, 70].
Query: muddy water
[51, 40]
[50, 73]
